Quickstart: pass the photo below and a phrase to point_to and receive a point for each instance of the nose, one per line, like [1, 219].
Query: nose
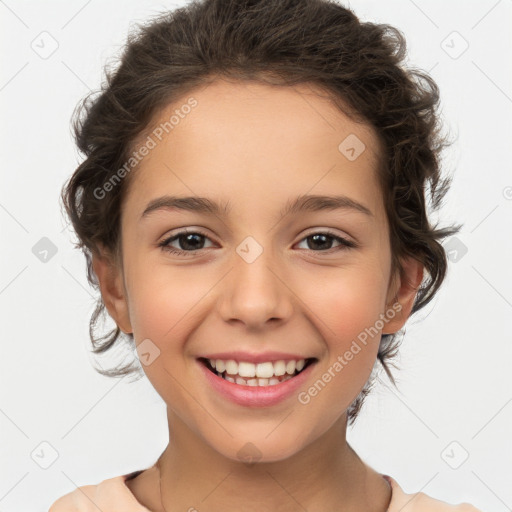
[255, 294]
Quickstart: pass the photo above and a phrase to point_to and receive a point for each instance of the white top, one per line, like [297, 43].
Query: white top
[113, 495]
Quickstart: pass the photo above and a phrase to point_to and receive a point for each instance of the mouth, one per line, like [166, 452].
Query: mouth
[257, 375]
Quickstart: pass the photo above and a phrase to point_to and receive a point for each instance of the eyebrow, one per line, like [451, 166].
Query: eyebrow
[192, 204]
[304, 203]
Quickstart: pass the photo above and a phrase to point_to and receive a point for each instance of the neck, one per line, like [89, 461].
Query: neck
[327, 474]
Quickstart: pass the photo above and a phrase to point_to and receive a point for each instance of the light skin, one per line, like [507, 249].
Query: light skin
[258, 147]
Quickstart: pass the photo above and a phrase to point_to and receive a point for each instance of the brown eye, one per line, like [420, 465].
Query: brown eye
[189, 241]
[322, 241]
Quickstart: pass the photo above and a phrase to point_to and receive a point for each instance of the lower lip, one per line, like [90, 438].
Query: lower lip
[256, 396]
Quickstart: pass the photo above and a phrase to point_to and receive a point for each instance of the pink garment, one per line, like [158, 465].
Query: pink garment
[112, 495]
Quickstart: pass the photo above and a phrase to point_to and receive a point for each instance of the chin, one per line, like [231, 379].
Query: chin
[259, 447]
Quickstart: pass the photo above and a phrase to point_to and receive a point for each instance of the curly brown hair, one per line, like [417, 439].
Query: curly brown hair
[285, 42]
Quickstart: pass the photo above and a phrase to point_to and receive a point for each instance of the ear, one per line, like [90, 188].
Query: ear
[403, 291]
[112, 288]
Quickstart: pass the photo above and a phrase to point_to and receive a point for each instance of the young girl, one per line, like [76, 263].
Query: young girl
[252, 207]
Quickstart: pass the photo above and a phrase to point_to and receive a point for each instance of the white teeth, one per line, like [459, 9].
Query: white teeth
[279, 368]
[260, 374]
[265, 370]
[231, 367]
[246, 369]
[290, 367]
[256, 382]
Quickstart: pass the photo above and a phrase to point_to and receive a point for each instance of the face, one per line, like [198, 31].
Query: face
[249, 282]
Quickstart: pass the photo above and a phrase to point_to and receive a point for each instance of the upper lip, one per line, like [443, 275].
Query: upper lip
[249, 357]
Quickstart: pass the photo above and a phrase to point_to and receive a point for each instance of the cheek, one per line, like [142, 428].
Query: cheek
[345, 311]
[163, 308]
[162, 301]
[345, 306]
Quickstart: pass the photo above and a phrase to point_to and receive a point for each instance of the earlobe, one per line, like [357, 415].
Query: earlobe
[408, 284]
[112, 289]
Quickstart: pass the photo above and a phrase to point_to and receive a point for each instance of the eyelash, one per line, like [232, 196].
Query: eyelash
[345, 244]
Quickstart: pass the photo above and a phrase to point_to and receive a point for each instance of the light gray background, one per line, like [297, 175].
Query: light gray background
[455, 382]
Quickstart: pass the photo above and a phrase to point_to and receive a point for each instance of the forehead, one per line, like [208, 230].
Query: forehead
[252, 140]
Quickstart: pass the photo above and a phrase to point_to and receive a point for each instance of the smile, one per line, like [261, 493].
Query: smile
[260, 374]
[242, 382]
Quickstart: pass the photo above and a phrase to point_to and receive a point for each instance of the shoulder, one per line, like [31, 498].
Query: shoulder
[421, 502]
[79, 500]
[107, 496]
